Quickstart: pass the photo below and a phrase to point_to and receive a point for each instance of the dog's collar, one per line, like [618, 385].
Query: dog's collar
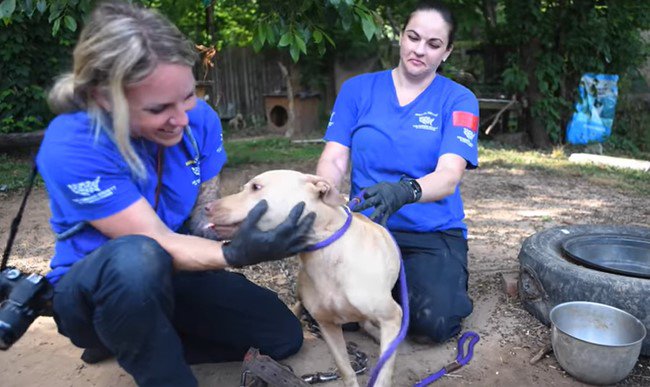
[339, 233]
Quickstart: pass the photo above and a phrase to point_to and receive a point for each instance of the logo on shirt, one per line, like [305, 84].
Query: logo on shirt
[220, 148]
[469, 136]
[90, 191]
[331, 122]
[85, 188]
[425, 121]
[196, 170]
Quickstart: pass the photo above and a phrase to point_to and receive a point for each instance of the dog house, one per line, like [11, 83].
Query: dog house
[305, 112]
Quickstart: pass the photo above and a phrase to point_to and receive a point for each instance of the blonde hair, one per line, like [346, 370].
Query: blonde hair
[121, 44]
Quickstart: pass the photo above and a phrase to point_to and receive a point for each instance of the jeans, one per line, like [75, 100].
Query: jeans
[435, 265]
[126, 297]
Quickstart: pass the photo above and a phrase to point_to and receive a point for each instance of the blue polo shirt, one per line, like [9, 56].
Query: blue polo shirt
[388, 141]
[87, 178]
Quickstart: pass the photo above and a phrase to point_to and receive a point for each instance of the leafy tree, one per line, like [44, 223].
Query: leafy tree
[29, 58]
[537, 49]
[554, 42]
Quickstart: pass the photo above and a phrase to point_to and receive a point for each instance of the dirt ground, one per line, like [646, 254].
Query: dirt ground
[504, 206]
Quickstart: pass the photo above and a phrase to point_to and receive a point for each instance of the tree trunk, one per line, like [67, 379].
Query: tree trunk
[291, 121]
[532, 96]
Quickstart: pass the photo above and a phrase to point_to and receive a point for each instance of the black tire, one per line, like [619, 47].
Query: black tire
[547, 279]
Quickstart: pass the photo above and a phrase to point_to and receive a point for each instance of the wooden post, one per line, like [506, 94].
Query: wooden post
[292, 113]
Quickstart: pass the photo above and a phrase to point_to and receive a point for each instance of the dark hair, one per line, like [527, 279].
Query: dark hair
[442, 9]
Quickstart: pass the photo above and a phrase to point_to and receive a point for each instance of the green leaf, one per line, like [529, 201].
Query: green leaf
[55, 13]
[306, 6]
[368, 27]
[257, 45]
[40, 6]
[70, 23]
[318, 36]
[56, 26]
[346, 21]
[7, 8]
[28, 7]
[300, 43]
[261, 35]
[295, 52]
[270, 34]
[285, 40]
[329, 39]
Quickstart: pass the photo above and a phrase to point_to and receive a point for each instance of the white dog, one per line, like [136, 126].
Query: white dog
[349, 280]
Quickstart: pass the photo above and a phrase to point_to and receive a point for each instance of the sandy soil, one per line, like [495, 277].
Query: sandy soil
[504, 206]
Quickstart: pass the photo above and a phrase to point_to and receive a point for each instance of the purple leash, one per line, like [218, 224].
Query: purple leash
[339, 233]
[461, 358]
[403, 329]
[405, 308]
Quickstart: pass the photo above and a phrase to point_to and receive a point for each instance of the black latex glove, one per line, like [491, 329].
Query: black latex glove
[250, 245]
[387, 198]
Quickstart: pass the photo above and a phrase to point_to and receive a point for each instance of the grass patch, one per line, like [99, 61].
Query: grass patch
[14, 169]
[270, 150]
[14, 172]
[557, 162]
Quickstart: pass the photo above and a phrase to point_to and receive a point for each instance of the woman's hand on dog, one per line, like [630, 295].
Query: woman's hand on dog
[250, 245]
[387, 198]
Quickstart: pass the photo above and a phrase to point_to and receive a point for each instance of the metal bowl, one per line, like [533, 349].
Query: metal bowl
[595, 343]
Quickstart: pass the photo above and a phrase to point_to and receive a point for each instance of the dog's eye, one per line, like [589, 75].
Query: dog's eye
[256, 187]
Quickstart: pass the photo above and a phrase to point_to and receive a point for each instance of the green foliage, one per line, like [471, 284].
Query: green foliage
[514, 79]
[630, 133]
[14, 172]
[29, 59]
[557, 41]
[299, 28]
[309, 25]
[58, 12]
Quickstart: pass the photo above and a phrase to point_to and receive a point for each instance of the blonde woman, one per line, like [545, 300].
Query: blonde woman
[123, 164]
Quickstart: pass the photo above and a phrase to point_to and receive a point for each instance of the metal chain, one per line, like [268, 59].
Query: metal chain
[359, 360]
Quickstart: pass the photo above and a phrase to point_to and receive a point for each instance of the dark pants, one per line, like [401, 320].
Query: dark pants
[126, 297]
[435, 265]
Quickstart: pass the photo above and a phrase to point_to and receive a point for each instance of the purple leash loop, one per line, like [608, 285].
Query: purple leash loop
[461, 359]
[334, 237]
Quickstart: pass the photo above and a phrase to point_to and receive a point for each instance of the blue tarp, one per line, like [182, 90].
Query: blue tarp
[594, 115]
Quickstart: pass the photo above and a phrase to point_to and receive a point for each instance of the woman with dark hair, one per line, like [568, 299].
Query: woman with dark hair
[408, 135]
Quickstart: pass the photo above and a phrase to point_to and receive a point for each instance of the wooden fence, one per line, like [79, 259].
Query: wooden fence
[243, 78]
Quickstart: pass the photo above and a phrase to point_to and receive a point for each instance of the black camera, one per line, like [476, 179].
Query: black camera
[23, 297]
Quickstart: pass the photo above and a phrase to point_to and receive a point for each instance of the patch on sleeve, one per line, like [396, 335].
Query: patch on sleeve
[90, 192]
[465, 119]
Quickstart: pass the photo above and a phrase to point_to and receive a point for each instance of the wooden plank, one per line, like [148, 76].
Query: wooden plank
[9, 141]
[618, 162]
[497, 104]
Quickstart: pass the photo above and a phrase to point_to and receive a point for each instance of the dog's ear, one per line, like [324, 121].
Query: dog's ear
[326, 190]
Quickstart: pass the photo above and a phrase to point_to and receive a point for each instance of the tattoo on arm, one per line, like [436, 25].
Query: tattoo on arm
[209, 191]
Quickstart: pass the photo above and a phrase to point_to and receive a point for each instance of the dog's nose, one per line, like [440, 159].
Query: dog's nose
[208, 208]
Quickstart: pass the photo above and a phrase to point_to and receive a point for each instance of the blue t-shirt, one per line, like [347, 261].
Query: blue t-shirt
[388, 141]
[87, 178]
